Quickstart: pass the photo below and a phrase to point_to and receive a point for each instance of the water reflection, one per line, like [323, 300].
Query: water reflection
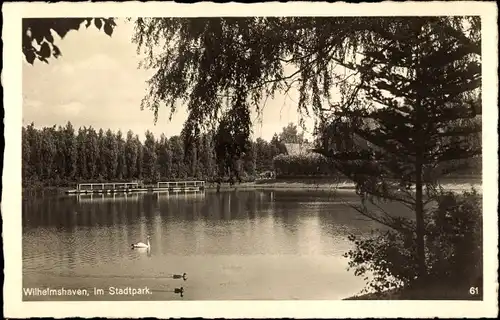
[228, 222]
[216, 237]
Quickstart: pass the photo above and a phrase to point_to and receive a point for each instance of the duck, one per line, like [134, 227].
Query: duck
[179, 291]
[141, 244]
[179, 276]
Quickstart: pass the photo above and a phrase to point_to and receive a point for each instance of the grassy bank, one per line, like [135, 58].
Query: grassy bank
[296, 184]
[455, 184]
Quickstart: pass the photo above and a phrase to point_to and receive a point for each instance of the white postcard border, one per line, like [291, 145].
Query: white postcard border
[11, 198]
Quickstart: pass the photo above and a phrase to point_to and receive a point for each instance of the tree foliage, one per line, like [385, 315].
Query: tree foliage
[408, 88]
[415, 105]
[61, 156]
[219, 68]
[290, 134]
[38, 34]
[453, 252]
[232, 141]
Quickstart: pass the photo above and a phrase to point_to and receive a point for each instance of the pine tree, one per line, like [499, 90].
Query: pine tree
[420, 80]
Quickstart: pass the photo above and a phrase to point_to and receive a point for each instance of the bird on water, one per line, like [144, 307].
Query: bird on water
[179, 291]
[178, 276]
[141, 244]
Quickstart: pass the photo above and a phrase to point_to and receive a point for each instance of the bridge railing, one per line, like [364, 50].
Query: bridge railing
[180, 184]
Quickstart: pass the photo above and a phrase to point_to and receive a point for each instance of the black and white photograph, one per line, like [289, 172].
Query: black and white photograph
[233, 155]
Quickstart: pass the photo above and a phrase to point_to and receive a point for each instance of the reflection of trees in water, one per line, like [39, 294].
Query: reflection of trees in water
[251, 205]
[54, 212]
[272, 221]
[287, 220]
[69, 213]
[233, 205]
[157, 232]
[226, 206]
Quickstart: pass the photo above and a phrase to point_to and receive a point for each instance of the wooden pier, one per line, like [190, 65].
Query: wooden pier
[134, 187]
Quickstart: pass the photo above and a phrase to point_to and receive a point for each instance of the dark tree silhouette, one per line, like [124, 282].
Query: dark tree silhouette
[414, 77]
[419, 85]
[38, 37]
[216, 64]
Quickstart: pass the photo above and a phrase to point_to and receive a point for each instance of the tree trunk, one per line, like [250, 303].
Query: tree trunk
[419, 215]
[419, 155]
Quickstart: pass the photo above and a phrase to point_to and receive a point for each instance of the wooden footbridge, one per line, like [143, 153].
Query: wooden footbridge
[129, 187]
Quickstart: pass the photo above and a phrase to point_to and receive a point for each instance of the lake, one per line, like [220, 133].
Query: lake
[234, 245]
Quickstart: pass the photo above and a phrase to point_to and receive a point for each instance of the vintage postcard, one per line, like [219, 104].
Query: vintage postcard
[300, 160]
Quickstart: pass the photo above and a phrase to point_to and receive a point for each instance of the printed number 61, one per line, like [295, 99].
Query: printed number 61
[473, 290]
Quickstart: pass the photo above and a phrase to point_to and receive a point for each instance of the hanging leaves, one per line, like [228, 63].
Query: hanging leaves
[212, 63]
[108, 28]
[37, 32]
[98, 23]
[44, 50]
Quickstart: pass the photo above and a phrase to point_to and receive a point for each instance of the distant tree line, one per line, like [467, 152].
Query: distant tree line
[60, 156]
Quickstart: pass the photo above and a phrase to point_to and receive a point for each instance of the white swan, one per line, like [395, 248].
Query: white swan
[142, 245]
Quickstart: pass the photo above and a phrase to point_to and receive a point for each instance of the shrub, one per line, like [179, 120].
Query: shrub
[309, 164]
[387, 259]
[454, 239]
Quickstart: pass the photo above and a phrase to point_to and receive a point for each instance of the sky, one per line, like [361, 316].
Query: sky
[97, 83]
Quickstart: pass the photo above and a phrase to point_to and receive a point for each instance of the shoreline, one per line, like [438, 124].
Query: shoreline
[283, 184]
[458, 184]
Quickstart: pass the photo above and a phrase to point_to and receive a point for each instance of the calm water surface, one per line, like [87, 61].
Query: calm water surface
[232, 245]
